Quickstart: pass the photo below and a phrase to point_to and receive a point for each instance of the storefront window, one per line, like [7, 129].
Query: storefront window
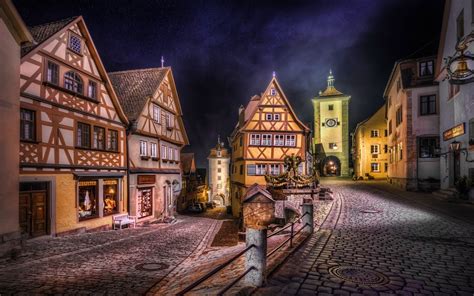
[145, 202]
[88, 203]
[110, 197]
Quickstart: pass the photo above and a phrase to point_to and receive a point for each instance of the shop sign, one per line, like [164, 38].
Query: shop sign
[454, 132]
[146, 179]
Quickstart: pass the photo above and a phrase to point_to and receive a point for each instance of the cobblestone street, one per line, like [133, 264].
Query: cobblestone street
[382, 241]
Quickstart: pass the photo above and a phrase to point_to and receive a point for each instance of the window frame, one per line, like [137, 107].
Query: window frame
[375, 133]
[254, 140]
[153, 150]
[143, 151]
[49, 77]
[425, 63]
[31, 122]
[276, 116]
[83, 134]
[110, 132]
[431, 153]
[290, 140]
[377, 165]
[96, 141]
[267, 141]
[81, 43]
[156, 113]
[331, 107]
[279, 140]
[95, 92]
[376, 150]
[260, 169]
[268, 116]
[428, 104]
[73, 85]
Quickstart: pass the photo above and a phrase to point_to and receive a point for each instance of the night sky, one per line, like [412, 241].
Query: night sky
[223, 52]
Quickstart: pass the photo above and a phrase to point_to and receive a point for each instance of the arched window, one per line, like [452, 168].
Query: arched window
[73, 82]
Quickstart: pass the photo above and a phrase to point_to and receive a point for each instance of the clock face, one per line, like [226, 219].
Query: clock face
[331, 122]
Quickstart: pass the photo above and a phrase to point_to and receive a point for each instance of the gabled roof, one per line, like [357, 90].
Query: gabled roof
[14, 22]
[187, 163]
[135, 87]
[257, 189]
[42, 32]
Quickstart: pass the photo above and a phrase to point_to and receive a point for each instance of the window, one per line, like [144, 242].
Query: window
[385, 133]
[374, 167]
[27, 125]
[88, 202]
[99, 138]
[241, 169]
[279, 140]
[143, 148]
[240, 141]
[176, 154]
[453, 90]
[330, 107]
[163, 152]
[390, 127]
[260, 169]
[154, 150]
[274, 169]
[400, 151]
[83, 135]
[219, 170]
[374, 149]
[268, 116]
[290, 140]
[427, 105]
[73, 82]
[52, 73]
[428, 146]
[170, 153]
[218, 178]
[169, 120]
[156, 113]
[254, 139]
[92, 90]
[219, 186]
[460, 25]
[374, 133]
[110, 197]
[471, 130]
[112, 140]
[219, 153]
[218, 162]
[276, 116]
[426, 68]
[75, 43]
[385, 167]
[251, 170]
[399, 115]
[399, 85]
[273, 92]
[333, 146]
[385, 148]
[266, 140]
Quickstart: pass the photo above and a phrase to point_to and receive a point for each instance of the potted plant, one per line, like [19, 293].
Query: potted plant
[463, 186]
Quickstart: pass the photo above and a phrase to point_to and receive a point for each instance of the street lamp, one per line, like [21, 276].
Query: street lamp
[460, 66]
[455, 146]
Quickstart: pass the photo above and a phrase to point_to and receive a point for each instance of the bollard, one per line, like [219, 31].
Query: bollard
[256, 257]
[308, 208]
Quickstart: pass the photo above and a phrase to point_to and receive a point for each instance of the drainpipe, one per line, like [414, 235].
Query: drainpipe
[127, 134]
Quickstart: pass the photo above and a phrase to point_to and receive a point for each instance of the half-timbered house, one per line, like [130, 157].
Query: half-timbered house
[72, 134]
[268, 130]
[156, 137]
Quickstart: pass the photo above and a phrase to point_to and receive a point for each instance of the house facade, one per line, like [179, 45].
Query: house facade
[219, 182]
[268, 130]
[72, 134]
[369, 147]
[412, 115]
[331, 130]
[13, 33]
[155, 138]
[456, 100]
[194, 188]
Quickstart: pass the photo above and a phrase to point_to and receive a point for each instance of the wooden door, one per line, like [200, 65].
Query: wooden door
[34, 213]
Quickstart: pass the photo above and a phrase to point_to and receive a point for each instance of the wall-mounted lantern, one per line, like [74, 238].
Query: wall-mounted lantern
[460, 66]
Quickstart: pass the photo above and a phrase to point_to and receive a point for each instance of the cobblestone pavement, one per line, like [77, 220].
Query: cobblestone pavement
[126, 262]
[381, 242]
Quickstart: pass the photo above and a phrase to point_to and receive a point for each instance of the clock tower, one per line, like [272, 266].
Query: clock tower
[331, 130]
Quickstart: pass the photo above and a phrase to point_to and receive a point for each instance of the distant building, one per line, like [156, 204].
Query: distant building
[13, 33]
[369, 147]
[156, 137]
[412, 103]
[268, 130]
[188, 183]
[456, 100]
[219, 161]
[331, 130]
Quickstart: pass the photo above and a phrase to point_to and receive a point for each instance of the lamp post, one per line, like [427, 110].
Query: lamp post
[455, 146]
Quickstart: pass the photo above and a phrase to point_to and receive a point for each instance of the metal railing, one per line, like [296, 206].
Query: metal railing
[211, 273]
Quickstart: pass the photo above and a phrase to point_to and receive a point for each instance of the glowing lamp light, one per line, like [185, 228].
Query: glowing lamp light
[455, 146]
[460, 66]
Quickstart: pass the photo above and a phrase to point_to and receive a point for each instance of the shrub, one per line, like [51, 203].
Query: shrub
[463, 185]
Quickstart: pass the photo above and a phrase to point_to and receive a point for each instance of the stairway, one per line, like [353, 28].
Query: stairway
[447, 193]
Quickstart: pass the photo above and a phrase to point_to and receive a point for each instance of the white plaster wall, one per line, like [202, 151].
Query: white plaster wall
[9, 130]
[213, 176]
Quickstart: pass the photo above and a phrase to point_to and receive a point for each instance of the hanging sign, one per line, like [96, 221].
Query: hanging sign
[454, 132]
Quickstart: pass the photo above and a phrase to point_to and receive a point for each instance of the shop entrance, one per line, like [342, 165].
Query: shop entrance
[145, 202]
[34, 209]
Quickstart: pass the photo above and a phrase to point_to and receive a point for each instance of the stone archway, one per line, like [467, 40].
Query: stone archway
[219, 199]
[331, 166]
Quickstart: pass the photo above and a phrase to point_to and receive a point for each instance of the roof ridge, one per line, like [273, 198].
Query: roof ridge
[68, 19]
[138, 70]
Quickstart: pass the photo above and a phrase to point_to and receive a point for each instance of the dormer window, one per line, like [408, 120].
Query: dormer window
[73, 82]
[426, 68]
[75, 43]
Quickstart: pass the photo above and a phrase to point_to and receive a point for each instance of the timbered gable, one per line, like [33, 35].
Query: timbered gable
[63, 84]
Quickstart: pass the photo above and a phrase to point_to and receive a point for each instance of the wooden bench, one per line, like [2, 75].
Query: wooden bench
[121, 220]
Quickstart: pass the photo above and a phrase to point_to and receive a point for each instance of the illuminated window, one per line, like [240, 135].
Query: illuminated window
[163, 152]
[110, 197]
[374, 133]
[374, 149]
[75, 43]
[88, 202]
[375, 167]
[73, 82]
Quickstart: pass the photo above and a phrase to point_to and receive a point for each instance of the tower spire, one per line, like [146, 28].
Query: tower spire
[330, 79]
[162, 61]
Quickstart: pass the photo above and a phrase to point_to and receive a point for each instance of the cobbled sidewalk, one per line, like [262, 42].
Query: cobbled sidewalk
[126, 262]
[377, 243]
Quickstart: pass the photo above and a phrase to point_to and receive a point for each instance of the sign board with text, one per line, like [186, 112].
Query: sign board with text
[454, 132]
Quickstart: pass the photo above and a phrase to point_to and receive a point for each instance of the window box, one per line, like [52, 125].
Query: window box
[144, 157]
[155, 158]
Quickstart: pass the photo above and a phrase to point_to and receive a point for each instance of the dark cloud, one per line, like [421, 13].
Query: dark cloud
[223, 52]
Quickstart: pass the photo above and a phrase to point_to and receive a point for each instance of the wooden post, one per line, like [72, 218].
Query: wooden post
[256, 257]
[308, 208]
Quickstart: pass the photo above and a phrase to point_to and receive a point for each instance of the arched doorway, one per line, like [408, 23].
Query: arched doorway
[331, 166]
[219, 199]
